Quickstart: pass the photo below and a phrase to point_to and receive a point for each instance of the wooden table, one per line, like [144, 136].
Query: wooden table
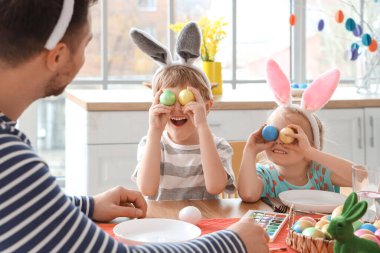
[221, 208]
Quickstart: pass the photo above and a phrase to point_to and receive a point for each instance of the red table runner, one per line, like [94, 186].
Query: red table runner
[212, 225]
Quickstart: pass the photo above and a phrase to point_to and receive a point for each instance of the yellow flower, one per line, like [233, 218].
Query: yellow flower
[212, 33]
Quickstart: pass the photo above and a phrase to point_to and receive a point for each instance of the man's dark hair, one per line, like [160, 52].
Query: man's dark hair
[25, 26]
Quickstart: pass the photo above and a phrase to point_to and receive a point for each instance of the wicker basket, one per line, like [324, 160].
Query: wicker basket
[306, 244]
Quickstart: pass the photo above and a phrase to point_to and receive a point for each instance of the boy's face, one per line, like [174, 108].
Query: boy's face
[180, 128]
[278, 153]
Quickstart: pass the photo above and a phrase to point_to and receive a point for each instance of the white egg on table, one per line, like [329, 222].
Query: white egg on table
[190, 214]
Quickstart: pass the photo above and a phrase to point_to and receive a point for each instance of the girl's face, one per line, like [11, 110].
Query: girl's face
[180, 128]
[278, 153]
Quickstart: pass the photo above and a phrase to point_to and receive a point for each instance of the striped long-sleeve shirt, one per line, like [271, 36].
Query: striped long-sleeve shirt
[36, 216]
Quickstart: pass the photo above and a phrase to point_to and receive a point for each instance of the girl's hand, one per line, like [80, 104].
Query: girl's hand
[256, 141]
[302, 145]
[159, 114]
[196, 110]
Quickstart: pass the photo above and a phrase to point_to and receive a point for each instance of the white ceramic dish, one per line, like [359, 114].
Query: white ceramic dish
[154, 230]
[312, 200]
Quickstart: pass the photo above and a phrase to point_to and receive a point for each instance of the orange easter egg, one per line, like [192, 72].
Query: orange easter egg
[373, 46]
[339, 16]
[321, 223]
[292, 19]
[308, 218]
[377, 223]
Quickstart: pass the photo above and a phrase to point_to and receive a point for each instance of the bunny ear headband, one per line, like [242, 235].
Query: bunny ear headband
[187, 48]
[314, 97]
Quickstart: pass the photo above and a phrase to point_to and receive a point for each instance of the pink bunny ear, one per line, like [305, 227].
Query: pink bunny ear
[279, 83]
[320, 91]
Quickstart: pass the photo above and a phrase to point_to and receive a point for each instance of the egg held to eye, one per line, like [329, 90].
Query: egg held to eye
[286, 138]
[185, 96]
[269, 133]
[167, 98]
[190, 214]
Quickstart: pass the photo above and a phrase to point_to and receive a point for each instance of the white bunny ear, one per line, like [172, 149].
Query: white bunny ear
[279, 83]
[320, 91]
[159, 53]
[189, 43]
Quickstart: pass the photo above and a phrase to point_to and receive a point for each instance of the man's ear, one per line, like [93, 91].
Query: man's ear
[57, 57]
[208, 105]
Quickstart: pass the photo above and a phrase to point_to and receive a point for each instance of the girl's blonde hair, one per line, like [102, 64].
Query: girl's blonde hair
[175, 75]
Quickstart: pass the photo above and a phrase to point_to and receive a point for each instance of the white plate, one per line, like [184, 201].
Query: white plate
[154, 230]
[312, 200]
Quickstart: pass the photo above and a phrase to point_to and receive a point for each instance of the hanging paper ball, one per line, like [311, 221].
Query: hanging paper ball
[358, 30]
[350, 24]
[339, 16]
[348, 55]
[355, 54]
[321, 25]
[292, 19]
[366, 39]
[373, 46]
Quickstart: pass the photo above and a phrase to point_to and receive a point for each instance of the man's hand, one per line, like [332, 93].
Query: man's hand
[119, 202]
[253, 236]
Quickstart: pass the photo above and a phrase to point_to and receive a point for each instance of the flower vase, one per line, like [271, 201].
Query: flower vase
[213, 71]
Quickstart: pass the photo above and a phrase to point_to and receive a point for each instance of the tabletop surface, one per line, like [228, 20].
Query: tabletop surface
[221, 208]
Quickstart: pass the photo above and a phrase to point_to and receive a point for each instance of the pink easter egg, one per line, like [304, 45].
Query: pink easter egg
[361, 232]
[377, 233]
[312, 220]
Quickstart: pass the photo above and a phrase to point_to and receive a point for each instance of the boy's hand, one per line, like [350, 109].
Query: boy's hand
[256, 141]
[302, 145]
[159, 114]
[196, 110]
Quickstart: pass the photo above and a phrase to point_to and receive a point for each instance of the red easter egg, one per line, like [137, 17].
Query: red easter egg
[373, 46]
[292, 19]
[339, 16]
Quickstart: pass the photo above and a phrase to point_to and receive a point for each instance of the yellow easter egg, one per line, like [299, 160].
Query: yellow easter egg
[337, 211]
[284, 137]
[377, 223]
[308, 218]
[321, 223]
[313, 232]
[324, 230]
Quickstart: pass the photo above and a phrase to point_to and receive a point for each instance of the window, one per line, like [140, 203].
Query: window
[257, 30]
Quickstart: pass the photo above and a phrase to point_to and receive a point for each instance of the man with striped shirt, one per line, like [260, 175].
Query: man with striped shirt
[42, 46]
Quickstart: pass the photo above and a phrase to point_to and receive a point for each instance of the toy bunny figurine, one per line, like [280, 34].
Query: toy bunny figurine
[342, 231]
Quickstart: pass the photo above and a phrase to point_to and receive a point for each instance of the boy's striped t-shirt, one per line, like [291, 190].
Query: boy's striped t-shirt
[36, 216]
[181, 170]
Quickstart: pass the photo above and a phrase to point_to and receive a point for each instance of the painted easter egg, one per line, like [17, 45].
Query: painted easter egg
[284, 137]
[337, 211]
[339, 16]
[190, 214]
[366, 39]
[350, 24]
[358, 30]
[313, 232]
[377, 223]
[357, 224]
[321, 25]
[326, 217]
[377, 233]
[324, 230]
[368, 226]
[167, 98]
[321, 223]
[185, 96]
[269, 133]
[308, 218]
[373, 46]
[361, 232]
[301, 225]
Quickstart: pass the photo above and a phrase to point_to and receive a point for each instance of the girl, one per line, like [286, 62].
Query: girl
[300, 164]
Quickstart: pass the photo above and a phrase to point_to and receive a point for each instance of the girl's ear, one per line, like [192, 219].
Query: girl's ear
[356, 212]
[351, 200]
[320, 91]
[151, 47]
[279, 83]
[189, 43]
